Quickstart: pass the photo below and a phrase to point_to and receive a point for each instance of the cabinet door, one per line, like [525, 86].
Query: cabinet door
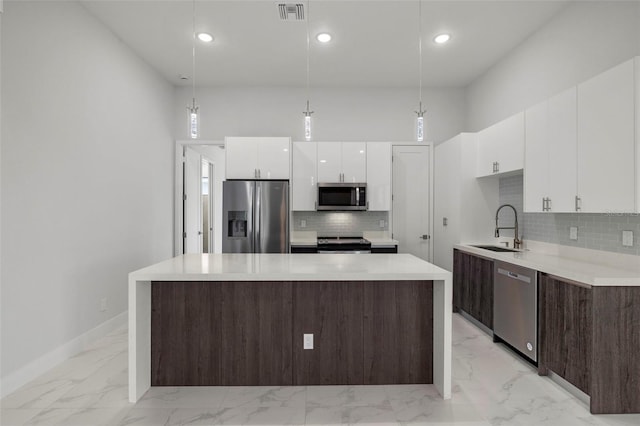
[509, 144]
[563, 151]
[354, 161]
[565, 324]
[329, 161]
[487, 151]
[305, 190]
[379, 183]
[241, 158]
[480, 290]
[274, 158]
[536, 159]
[606, 144]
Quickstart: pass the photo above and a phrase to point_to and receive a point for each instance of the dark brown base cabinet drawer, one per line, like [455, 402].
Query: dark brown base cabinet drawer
[590, 336]
[473, 286]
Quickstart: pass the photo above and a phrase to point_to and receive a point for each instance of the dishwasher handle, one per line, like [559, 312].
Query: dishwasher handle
[514, 275]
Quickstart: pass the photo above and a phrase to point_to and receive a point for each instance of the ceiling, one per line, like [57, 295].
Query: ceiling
[375, 43]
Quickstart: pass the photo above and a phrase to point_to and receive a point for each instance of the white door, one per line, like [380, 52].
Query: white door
[241, 157]
[192, 202]
[411, 199]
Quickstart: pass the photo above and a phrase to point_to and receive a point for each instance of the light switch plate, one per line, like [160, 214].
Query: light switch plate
[307, 341]
[627, 238]
[381, 223]
[303, 223]
[573, 232]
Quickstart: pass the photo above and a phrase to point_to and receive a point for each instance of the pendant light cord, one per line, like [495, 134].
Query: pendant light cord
[420, 50]
[308, 48]
[193, 54]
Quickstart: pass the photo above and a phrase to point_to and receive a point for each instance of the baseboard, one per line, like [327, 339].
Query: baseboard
[51, 359]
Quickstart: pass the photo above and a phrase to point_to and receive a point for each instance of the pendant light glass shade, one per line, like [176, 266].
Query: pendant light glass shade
[420, 128]
[193, 120]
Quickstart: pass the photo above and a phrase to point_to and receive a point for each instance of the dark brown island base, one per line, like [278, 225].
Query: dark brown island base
[289, 319]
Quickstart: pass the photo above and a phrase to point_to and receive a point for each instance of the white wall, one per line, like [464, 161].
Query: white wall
[341, 114]
[87, 179]
[580, 42]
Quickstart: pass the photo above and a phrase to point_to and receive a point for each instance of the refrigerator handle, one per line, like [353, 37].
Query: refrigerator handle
[257, 219]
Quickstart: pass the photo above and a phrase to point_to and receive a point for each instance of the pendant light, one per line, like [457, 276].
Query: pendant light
[193, 108]
[420, 112]
[307, 113]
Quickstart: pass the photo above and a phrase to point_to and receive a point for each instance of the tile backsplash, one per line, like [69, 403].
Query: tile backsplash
[340, 223]
[596, 231]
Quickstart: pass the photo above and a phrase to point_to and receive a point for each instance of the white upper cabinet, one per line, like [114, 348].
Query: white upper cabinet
[606, 141]
[342, 162]
[304, 182]
[379, 176]
[257, 158]
[501, 147]
[550, 155]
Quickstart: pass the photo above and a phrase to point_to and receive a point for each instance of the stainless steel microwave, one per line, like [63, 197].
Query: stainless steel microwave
[342, 196]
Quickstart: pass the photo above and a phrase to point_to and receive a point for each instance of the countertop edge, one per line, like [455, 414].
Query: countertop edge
[596, 281]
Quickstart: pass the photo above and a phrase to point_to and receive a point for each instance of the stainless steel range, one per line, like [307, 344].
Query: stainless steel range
[354, 245]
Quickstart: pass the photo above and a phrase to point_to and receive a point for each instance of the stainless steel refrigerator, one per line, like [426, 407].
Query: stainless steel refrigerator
[255, 216]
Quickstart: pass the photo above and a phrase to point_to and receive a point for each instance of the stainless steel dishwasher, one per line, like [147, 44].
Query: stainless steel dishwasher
[515, 307]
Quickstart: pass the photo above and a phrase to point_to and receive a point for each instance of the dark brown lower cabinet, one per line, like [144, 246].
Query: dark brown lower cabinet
[564, 328]
[251, 333]
[590, 336]
[473, 286]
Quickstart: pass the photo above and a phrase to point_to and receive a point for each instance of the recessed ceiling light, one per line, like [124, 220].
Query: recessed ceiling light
[442, 38]
[323, 37]
[207, 38]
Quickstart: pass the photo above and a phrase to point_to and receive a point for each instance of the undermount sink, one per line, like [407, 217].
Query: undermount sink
[496, 248]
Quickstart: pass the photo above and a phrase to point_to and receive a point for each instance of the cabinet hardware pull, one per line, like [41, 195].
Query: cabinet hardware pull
[578, 203]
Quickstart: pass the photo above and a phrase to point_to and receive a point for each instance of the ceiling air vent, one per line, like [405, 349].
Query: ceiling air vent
[291, 11]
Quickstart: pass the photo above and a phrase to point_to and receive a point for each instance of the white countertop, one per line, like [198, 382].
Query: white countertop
[586, 270]
[291, 267]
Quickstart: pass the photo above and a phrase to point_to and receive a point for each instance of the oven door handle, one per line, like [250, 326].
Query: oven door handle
[344, 251]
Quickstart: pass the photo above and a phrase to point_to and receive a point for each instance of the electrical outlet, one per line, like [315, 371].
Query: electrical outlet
[303, 223]
[103, 304]
[627, 238]
[573, 232]
[307, 341]
[381, 223]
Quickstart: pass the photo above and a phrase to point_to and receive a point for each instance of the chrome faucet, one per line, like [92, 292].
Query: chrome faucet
[516, 240]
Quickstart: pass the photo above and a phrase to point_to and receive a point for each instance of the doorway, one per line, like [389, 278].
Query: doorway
[198, 197]
[412, 199]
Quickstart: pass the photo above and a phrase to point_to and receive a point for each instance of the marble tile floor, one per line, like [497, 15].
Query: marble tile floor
[490, 387]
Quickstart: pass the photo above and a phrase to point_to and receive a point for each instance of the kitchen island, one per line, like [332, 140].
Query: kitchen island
[240, 319]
